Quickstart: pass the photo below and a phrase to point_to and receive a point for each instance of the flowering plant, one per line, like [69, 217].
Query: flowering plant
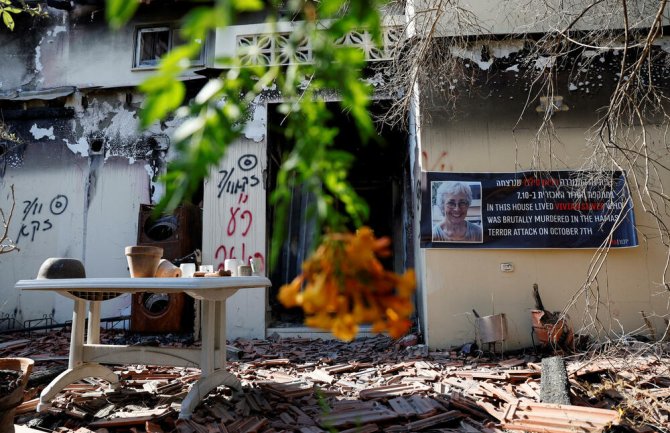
[344, 284]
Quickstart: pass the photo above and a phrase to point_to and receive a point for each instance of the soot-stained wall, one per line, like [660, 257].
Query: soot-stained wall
[79, 179]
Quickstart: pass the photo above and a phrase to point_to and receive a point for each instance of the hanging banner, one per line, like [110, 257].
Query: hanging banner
[551, 209]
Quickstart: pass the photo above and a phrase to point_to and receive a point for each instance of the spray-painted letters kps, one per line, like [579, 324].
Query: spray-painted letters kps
[39, 215]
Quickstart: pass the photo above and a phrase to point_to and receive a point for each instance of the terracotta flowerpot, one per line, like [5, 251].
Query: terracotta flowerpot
[551, 334]
[9, 402]
[143, 260]
[167, 270]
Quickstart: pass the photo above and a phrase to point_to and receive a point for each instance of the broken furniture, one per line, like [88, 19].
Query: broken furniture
[85, 357]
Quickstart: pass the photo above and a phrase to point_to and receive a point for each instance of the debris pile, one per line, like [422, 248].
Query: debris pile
[368, 385]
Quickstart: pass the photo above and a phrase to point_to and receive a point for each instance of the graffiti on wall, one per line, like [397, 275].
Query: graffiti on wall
[240, 180]
[435, 163]
[234, 183]
[38, 215]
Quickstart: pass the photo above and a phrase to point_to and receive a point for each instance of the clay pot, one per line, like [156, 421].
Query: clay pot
[551, 334]
[60, 267]
[143, 260]
[167, 270]
[9, 402]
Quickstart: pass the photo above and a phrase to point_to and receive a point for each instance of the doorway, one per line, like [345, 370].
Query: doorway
[379, 174]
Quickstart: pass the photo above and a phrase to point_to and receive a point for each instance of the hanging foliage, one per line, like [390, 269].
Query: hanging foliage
[344, 285]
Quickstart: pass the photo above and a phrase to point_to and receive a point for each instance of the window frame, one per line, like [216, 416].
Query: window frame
[174, 40]
[137, 52]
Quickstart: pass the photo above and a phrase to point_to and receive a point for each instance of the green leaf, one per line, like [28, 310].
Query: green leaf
[199, 21]
[118, 12]
[8, 20]
[155, 83]
[162, 102]
[177, 60]
[328, 8]
[248, 5]
[189, 128]
[209, 91]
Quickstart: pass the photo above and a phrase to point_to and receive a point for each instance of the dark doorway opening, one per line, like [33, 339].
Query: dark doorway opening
[380, 175]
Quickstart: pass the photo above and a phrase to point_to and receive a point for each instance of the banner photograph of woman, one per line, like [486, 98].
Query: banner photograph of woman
[454, 216]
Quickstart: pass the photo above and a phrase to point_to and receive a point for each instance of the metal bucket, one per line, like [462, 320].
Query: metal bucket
[492, 329]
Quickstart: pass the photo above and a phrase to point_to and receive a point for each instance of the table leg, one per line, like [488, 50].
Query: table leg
[93, 323]
[77, 368]
[207, 360]
[72, 375]
[197, 326]
[221, 331]
[213, 335]
[77, 334]
[204, 386]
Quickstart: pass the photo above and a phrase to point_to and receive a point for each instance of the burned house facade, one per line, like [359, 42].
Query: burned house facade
[82, 170]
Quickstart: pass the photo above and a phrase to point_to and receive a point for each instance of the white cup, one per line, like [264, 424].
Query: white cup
[231, 265]
[244, 271]
[206, 268]
[256, 266]
[187, 269]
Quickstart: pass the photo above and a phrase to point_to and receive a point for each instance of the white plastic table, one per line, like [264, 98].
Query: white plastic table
[85, 357]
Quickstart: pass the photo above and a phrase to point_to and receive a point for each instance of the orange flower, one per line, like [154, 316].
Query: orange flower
[289, 293]
[364, 314]
[399, 328]
[379, 326]
[322, 321]
[398, 307]
[345, 285]
[344, 327]
[406, 283]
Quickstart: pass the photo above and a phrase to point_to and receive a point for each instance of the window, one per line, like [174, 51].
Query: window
[151, 43]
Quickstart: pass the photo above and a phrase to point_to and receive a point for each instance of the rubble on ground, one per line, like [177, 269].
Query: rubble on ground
[368, 385]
